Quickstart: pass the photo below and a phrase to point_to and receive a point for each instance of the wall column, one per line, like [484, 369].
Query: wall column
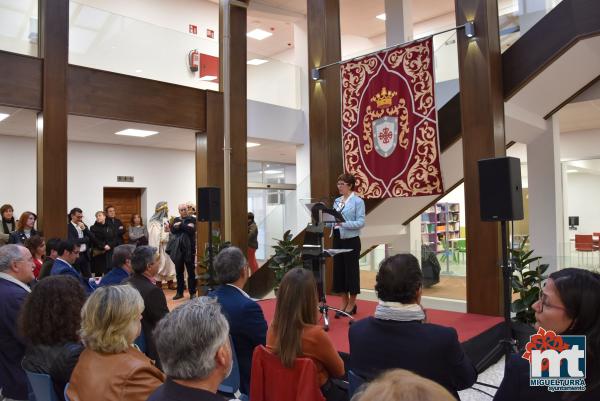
[482, 116]
[52, 120]
[398, 21]
[544, 174]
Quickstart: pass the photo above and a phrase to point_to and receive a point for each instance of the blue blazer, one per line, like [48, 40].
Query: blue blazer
[354, 214]
[247, 327]
[116, 276]
[63, 268]
[13, 381]
[429, 350]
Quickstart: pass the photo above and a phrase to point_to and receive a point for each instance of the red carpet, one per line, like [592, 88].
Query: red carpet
[468, 325]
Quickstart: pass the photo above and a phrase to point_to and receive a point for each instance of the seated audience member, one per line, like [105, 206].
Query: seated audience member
[110, 368]
[194, 367]
[24, 228]
[402, 385]
[16, 271]
[68, 252]
[144, 262]
[37, 247]
[569, 304]
[104, 239]
[294, 331]
[247, 324]
[51, 255]
[121, 262]
[8, 223]
[138, 233]
[398, 337]
[49, 322]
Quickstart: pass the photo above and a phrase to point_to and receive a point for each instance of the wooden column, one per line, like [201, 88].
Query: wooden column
[482, 115]
[52, 120]
[233, 56]
[326, 157]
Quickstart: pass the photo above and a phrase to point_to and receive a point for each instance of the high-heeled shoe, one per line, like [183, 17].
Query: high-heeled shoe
[352, 311]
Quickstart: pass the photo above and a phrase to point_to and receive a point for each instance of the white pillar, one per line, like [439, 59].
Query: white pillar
[545, 195]
[398, 21]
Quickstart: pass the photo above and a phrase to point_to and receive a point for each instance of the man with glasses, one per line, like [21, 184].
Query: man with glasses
[16, 272]
[80, 234]
[68, 252]
[184, 230]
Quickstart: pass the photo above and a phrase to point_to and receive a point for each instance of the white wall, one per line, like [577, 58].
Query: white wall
[582, 193]
[165, 174]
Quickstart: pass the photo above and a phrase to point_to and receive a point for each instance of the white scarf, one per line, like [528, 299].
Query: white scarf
[399, 312]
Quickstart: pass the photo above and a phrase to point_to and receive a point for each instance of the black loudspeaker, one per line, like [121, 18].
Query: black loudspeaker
[500, 192]
[209, 204]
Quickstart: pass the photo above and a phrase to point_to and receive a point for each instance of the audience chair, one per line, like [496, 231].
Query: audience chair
[584, 243]
[354, 382]
[231, 385]
[271, 381]
[42, 386]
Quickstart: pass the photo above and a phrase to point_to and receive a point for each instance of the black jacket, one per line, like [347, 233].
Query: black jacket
[57, 361]
[185, 230]
[155, 308]
[429, 350]
[87, 238]
[118, 228]
[103, 234]
[18, 237]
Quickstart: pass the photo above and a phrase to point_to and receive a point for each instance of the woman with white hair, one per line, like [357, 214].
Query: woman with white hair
[158, 237]
[111, 368]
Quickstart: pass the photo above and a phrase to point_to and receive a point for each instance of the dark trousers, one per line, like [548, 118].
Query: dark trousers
[191, 271]
[83, 265]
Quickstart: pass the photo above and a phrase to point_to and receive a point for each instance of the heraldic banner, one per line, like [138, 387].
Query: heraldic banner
[389, 122]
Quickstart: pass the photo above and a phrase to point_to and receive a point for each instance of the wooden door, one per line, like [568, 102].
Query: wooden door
[126, 201]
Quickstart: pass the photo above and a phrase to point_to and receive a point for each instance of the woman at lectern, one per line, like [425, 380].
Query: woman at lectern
[346, 235]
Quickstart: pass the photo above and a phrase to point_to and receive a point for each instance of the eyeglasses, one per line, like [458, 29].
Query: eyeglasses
[545, 304]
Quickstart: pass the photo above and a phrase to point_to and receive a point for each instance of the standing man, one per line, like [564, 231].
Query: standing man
[184, 229]
[115, 223]
[16, 271]
[79, 233]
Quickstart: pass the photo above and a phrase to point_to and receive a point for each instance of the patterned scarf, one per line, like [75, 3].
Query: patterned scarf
[399, 312]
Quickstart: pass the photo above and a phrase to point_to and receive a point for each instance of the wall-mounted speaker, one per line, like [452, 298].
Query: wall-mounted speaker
[500, 192]
[209, 204]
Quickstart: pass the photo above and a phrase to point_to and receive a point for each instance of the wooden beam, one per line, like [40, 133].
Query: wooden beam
[20, 81]
[482, 115]
[326, 158]
[103, 94]
[52, 120]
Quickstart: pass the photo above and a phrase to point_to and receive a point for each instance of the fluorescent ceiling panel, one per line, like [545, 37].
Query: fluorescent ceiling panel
[257, 61]
[248, 144]
[139, 133]
[381, 17]
[4, 116]
[258, 34]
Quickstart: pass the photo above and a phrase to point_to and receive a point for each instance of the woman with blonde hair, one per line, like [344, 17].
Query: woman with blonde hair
[111, 368]
[294, 332]
[402, 385]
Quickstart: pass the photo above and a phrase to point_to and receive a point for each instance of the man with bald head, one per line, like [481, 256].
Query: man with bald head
[184, 228]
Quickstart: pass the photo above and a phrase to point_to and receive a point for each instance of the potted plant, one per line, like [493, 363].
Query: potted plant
[209, 277]
[287, 256]
[528, 275]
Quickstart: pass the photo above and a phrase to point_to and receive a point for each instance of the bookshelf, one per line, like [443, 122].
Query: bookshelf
[440, 223]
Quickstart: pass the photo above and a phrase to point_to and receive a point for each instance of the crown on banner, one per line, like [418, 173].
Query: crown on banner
[384, 98]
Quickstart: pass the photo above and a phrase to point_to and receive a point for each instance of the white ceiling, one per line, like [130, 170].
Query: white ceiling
[580, 116]
[22, 122]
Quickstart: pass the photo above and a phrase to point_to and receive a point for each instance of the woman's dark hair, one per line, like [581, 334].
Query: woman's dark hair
[579, 291]
[52, 245]
[4, 208]
[399, 279]
[296, 308]
[51, 314]
[133, 218]
[250, 216]
[33, 243]
[23, 219]
[348, 179]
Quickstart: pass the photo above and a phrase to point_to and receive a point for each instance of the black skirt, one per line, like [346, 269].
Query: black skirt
[346, 275]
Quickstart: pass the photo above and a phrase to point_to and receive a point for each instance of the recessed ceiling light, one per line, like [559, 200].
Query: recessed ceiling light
[138, 71]
[208, 78]
[572, 171]
[257, 61]
[258, 34]
[4, 116]
[252, 144]
[273, 172]
[381, 17]
[140, 133]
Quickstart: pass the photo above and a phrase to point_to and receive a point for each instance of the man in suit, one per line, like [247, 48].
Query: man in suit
[193, 344]
[79, 233]
[121, 262]
[248, 327]
[16, 271]
[68, 252]
[144, 263]
[115, 223]
[184, 228]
